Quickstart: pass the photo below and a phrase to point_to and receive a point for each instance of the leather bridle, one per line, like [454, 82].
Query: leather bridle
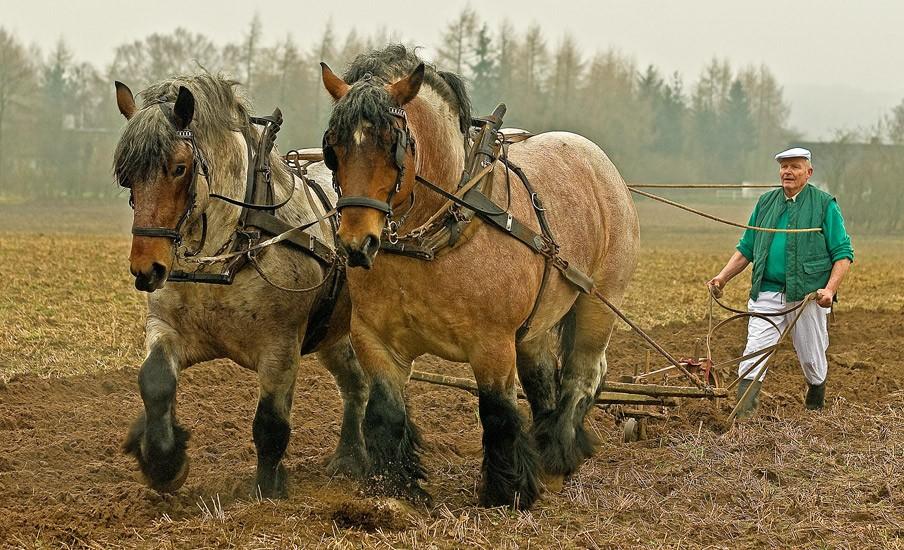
[402, 142]
[199, 165]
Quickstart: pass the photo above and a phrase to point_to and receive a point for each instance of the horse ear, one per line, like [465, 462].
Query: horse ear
[406, 89]
[125, 100]
[333, 84]
[184, 109]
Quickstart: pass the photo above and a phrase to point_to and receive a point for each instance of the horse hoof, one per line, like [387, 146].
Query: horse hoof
[419, 497]
[172, 485]
[345, 465]
[272, 484]
[552, 482]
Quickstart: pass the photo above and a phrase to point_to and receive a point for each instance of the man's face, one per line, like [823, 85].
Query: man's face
[794, 173]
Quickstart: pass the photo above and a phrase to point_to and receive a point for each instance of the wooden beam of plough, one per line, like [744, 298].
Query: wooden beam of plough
[604, 398]
[664, 391]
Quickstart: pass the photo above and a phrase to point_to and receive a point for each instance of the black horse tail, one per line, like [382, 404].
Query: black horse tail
[566, 329]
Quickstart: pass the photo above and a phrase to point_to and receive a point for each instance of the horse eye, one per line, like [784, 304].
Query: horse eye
[180, 170]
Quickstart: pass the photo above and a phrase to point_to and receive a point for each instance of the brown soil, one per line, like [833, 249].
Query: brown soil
[788, 478]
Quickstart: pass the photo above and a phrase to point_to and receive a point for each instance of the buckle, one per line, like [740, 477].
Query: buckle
[392, 231]
[251, 237]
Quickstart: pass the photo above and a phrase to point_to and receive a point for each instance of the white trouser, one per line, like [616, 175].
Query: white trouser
[810, 335]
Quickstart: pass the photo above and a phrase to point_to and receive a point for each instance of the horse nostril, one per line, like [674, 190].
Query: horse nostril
[370, 242]
[159, 271]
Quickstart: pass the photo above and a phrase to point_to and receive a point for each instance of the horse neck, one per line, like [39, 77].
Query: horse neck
[228, 166]
[440, 156]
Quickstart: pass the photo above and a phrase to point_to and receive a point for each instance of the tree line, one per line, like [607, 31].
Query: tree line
[59, 122]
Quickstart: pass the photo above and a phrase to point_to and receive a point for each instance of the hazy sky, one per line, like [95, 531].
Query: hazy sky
[841, 62]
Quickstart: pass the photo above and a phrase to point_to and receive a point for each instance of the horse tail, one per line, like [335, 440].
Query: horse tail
[566, 329]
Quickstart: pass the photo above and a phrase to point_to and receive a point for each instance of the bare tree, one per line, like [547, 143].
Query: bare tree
[159, 56]
[456, 41]
[16, 77]
[567, 69]
[250, 47]
[895, 124]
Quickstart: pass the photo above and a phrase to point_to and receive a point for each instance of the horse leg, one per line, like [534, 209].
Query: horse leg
[350, 457]
[271, 428]
[509, 471]
[156, 441]
[562, 439]
[392, 440]
[537, 364]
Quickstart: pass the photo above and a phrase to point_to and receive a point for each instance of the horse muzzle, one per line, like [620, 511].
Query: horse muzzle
[361, 253]
[150, 279]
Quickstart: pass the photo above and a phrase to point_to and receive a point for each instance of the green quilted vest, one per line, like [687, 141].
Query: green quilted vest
[807, 260]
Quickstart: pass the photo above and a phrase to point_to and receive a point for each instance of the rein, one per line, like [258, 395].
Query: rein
[633, 189]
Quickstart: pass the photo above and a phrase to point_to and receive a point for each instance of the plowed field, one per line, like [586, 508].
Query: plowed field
[70, 347]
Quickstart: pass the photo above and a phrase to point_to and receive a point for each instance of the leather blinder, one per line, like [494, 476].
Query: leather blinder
[329, 155]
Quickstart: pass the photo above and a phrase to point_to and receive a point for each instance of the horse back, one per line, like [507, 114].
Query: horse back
[588, 205]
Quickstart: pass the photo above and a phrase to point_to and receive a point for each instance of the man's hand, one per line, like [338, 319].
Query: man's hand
[735, 265]
[717, 284]
[824, 297]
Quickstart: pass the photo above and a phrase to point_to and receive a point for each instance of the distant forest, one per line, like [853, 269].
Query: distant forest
[59, 122]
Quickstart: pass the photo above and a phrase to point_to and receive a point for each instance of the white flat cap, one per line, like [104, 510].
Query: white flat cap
[793, 153]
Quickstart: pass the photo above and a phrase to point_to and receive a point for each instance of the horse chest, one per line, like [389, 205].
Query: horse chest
[424, 311]
[213, 321]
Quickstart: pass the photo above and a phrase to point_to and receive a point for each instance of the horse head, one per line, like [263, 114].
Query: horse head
[371, 152]
[158, 160]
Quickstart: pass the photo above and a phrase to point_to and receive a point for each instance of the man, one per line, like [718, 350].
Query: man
[786, 268]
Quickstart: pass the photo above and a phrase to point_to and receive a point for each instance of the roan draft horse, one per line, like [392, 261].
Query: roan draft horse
[187, 156]
[398, 139]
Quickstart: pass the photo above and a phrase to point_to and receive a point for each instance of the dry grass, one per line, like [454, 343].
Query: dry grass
[67, 305]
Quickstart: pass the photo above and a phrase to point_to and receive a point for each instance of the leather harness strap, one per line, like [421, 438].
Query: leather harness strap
[256, 217]
[302, 240]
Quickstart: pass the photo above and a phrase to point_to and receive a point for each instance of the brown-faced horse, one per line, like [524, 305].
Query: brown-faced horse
[467, 304]
[189, 139]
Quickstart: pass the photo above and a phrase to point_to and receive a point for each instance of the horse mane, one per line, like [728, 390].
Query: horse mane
[149, 136]
[368, 100]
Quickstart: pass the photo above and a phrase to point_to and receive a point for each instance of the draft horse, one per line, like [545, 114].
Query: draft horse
[397, 125]
[187, 156]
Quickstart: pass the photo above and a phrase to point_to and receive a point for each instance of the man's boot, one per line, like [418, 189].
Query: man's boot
[749, 405]
[816, 396]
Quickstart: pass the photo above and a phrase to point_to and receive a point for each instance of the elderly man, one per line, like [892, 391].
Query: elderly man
[786, 268]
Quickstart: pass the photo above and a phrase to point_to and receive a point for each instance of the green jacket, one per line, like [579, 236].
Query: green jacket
[808, 257]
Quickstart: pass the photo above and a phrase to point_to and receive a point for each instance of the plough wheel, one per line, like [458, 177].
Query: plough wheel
[634, 429]
[630, 430]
